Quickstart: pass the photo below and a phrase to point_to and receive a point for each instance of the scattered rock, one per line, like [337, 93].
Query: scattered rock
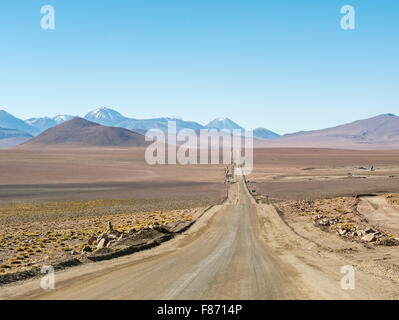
[102, 236]
[333, 221]
[112, 231]
[322, 222]
[390, 242]
[102, 243]
[370, 237]
[110, 243]
[92, 240]
[110, 228]
[87, 249]
[155, 225]
[342, 232]
[360, 233]
[122, 236]
[112, 236]
[132, 231]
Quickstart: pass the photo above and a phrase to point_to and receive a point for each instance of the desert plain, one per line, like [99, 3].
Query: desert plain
[334, 206]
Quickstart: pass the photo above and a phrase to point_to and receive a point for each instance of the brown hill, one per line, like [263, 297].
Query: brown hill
[380, 132]
[79, 132]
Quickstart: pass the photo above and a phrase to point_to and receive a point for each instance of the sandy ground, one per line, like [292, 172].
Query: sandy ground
[122, 173]
[323, 173]
[53, 201]
[92, 165]
[78, 174]
[379, 211]
[240, 250]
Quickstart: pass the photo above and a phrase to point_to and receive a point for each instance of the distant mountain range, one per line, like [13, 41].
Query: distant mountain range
[380, 132]
[109, 127]
[42, 124]
[33, 126]
[109, 117]
[13, 133]
[264, 134]
[12, 137]
[8, 121]
[112, 118]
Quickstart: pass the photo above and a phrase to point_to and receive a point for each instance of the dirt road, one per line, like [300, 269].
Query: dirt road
[240, 250]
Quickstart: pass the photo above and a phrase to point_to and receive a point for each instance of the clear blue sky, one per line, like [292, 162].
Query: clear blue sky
[283, 65]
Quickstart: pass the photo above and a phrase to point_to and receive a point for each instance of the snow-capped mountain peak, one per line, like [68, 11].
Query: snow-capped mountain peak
[63, 118]
[42, 124]
[224, 123]
[105, 116]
